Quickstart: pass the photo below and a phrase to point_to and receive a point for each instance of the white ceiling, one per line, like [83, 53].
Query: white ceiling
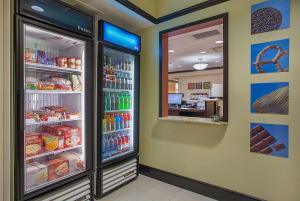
[188, 50]
[113, 12]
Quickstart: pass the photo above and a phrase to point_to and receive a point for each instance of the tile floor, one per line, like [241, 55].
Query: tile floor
[148, 189]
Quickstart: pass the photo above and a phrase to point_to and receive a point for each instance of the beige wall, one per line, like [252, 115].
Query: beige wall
[6, 161]
[220, 155]
[1, 99]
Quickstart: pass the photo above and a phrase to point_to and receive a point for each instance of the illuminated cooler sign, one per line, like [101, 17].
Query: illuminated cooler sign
[118, 36]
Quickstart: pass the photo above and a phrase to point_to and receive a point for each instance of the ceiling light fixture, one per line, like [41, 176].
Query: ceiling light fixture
[203, 52]
[219, 41]
[217, 61]
[37, 8]
[171, 51]
[200, 66]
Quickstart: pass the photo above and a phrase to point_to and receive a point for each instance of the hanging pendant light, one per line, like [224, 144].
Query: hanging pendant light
[200, 66]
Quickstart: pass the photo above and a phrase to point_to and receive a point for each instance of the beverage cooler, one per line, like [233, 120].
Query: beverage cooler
[118, 107]
[53, 80]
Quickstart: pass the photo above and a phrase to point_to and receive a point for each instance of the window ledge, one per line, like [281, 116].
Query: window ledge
[192, 120]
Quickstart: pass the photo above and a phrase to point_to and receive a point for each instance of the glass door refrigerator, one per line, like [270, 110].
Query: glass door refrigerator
[118, 108]
[53, 78]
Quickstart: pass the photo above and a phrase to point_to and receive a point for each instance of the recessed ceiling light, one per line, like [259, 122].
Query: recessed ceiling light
[203, 52]
[171, 51]
[37, 8]
[217, 61]
[219, 41]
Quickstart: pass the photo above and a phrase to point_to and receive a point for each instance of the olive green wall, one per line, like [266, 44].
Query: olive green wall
[150, 6]
[220, 155]
[165, 7]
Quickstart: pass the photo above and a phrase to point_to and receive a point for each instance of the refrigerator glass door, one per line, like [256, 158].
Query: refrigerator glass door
[118, 114]
[54, 134]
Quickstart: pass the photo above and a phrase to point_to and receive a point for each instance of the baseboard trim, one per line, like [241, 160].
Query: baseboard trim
[205, 189]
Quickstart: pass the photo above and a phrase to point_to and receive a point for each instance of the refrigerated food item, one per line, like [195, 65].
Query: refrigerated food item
[36, 174]
[52, 142]
[62, 62]
[45, 85]
[76, 162]
[71, 62]
[31, 83]
[41, 56]
[57, 168]
[35, 116]
[78, 63]
[61, 83]
[76, 82]
[71, 135]
[33, 144]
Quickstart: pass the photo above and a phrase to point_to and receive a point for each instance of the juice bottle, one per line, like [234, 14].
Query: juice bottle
[108, 125]
[104, 125]
[112, 122]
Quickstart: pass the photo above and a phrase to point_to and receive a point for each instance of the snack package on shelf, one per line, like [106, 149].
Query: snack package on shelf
[36, 116]
[76, 82]
[72, 135]
[61, 84]
[57, 168]
[36, 174]
[31, 83]
[76, 162]
[71, 63]
[45, 85]
[53, 142]
[33, 144]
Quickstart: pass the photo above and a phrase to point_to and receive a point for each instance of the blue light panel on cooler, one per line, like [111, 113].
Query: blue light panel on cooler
[121, 37]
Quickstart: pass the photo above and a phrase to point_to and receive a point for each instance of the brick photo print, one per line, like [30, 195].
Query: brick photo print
[270, 15]
[269, 139]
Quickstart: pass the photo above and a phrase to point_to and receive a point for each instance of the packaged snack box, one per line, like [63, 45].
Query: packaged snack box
[57, 168]
[36, 174]
[76, 162]
[33, 144]
[71, 135]
[53, 142]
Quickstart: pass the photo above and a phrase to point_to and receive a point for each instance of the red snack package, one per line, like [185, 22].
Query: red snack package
[33, 144]
[57, 168]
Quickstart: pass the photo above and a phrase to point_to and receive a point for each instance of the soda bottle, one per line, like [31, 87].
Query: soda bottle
[104, 125]
[125, 99]
[129, 100]
[125, 120]
[130, 83]
[112, 101]
[119, 142]
[112, 122]
[111, 144]
[116, 120]
[118, 80]
[125, 81]
[121, 121]
[117, 101]
[122, 141]
[129, 119]
[107, 101]
[121, 101]
[115, 142]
